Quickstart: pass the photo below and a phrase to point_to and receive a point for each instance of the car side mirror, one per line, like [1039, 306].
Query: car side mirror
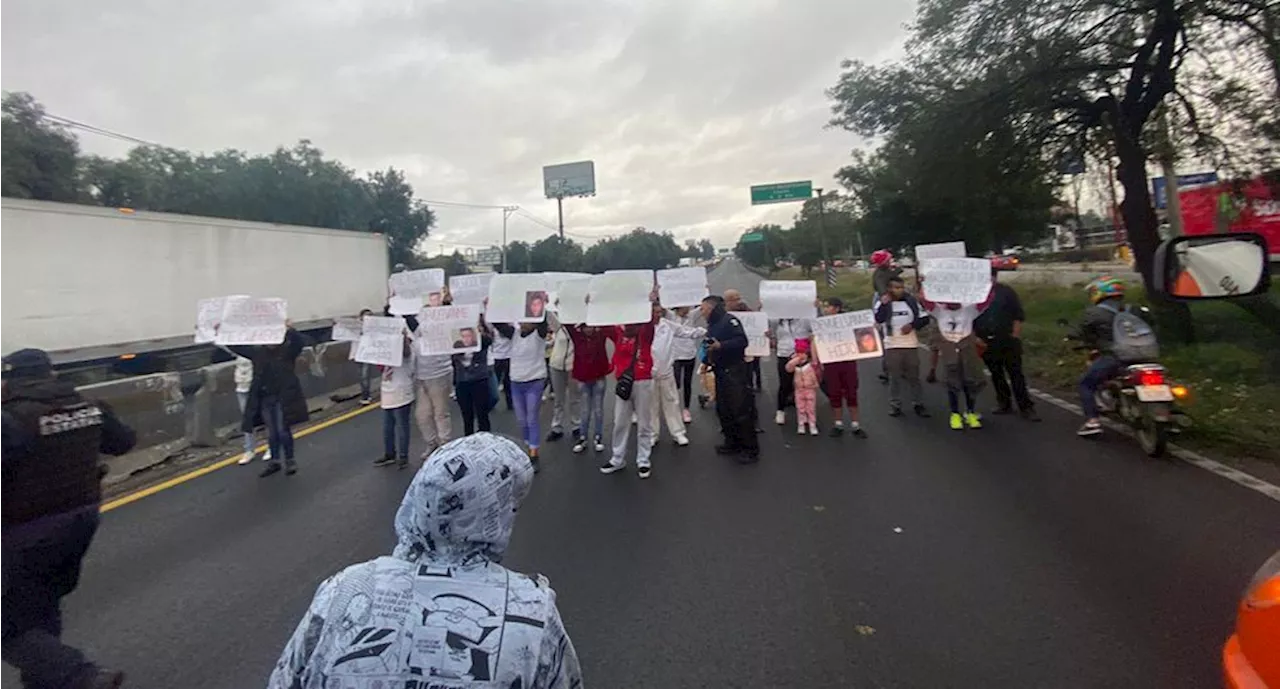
[1212, 266]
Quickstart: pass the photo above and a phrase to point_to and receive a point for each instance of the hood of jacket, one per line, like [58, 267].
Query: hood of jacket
[462, 503]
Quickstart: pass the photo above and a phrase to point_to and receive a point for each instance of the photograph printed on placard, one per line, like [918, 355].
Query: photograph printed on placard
[535, 303]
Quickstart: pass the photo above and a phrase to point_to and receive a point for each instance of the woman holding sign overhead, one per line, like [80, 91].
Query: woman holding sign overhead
[960, 357]
[528, 377]
[276, 396]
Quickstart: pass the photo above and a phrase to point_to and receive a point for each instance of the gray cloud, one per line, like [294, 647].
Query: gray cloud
[683, 104]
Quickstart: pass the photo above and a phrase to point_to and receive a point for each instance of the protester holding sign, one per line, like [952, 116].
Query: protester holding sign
[785, 333]
[566, 405]
[367, 371]
[433, 380]
[397, 401]
[590, 371]
[684, 352]
[528, 377]
[275, 396]
[959, 352]
[901, 316]
[632, 363]
[840, 373]
[666, 397]
[471, 375]
[500, 360]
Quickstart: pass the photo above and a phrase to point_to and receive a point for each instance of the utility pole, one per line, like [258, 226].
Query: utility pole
[822, 236]
[506, 213]
[1173, 204]
[560, 213]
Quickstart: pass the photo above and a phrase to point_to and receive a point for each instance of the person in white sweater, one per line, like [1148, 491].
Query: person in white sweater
[684, 354]
[665, 401]
[566, 404]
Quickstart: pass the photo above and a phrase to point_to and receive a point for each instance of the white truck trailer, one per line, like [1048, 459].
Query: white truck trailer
[92, 284]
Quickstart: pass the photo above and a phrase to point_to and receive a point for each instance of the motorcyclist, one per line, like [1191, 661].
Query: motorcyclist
[1095, 332]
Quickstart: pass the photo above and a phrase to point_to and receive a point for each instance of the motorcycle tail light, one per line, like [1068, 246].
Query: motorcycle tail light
[1151, 378]
[1180, 392]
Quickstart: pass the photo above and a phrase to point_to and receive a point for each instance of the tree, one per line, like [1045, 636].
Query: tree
[691, 249]
[638, 249]
[453, 264]
[519, 258]
[763, 252]
[40, 156]
[404, 220]
[555, 254]
[1021, 84]
[706, 250]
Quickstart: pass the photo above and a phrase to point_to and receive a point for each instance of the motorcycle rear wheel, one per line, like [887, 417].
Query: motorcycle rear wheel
[1153, 437]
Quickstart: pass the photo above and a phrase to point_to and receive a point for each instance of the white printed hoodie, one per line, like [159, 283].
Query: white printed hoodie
[440, 610]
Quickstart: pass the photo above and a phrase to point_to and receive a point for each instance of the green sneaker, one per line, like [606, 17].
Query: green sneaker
[957, 423]
[973, 419]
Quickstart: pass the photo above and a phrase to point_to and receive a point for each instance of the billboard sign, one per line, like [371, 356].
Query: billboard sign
[1159, 189]
[569, 179]
[488, 257]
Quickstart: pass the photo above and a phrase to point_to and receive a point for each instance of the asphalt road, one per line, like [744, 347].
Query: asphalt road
[1015, 556]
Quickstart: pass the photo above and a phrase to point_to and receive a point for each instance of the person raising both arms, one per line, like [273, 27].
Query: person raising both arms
[958, 348]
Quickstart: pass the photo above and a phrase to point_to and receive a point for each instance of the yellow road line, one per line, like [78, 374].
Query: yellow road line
[176, 480]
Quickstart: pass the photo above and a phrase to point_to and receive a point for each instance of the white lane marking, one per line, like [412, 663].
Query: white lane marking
[1194, 458]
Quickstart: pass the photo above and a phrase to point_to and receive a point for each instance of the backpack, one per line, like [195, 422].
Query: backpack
[1133, 340]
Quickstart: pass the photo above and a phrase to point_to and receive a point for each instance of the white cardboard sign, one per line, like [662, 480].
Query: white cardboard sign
[554, 280]
[620, 297]
[470, 289]
[404, 306]
[682, 286]
[517, 298]
[957, 280]
[925, 252]
[249, 321]
[415, 283]
[754, 324]
[847, 337]
[381, 341]
[788, 298]
[572, 296]
[209, 317]
[449, 329]
[346, 330]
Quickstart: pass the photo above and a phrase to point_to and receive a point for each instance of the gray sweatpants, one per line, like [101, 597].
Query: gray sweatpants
[567, 407]
[903, 366]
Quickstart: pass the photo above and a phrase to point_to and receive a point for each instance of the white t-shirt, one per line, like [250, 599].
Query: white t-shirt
[397, 386]
[501, 347]
[958, 324]
[528, 360]
[901, 316]
[787, 330]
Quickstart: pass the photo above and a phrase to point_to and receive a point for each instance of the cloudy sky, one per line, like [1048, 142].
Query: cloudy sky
[682, 104]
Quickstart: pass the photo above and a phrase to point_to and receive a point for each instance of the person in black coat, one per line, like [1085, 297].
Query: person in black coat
[275, 397]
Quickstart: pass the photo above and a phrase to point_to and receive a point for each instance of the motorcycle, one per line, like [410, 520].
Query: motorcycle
[1144, 398]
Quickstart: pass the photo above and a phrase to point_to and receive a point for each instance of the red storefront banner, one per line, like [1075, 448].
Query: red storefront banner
[1259, 211]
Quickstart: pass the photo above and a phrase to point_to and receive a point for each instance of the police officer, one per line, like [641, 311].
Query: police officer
[51, 491]
[735, 403]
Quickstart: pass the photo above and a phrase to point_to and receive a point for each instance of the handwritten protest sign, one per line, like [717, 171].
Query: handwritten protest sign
[620, 297]
[381, 341]
[554, 279]
[682, 286]
[754, 324]
[404, 306]
[847, 337]
[788, 298]
[449, 329]
[470, 289]
[415, 283]
[925, 252]
[346, 330]
[249, 321]
[517, 298]
[957, 280]
[572, 297]
[209, 317]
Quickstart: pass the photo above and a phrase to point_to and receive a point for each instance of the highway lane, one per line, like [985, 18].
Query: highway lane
[1017, 556]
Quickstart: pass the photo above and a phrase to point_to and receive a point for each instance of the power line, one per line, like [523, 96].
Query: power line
[76, 124]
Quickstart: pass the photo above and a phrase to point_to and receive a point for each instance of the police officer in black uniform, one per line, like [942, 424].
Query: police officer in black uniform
[735, 403]
[51, 485]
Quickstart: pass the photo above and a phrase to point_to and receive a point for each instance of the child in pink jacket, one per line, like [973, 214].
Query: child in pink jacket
[806, 374]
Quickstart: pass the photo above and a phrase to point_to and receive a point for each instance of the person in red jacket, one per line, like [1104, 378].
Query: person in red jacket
[590, 371]
[632, 353]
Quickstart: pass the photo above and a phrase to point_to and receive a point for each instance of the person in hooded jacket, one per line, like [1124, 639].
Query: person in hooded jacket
[457, 617]
[52, 490]
[275, 396]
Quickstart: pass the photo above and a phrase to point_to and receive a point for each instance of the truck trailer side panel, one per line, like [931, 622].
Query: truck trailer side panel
[84, 276]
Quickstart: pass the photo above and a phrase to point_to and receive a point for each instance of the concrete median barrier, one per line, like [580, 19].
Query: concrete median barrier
[178, 412]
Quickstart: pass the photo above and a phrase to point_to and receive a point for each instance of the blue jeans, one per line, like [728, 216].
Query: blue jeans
[243, 399]
[279, 435]
[527, 396]
[593, 405]
[367, 373]
[1102, 368]
[395, 432]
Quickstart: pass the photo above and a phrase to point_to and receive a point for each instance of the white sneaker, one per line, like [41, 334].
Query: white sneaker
[800, 429]
[245, 458]
[266, 457]
[682, 440]
[599, 444]
[635, 419]
[580, 447]
[780, 417]
[813, 429]
[688, 418]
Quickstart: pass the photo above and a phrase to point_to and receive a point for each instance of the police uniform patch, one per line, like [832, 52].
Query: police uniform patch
[70, 419]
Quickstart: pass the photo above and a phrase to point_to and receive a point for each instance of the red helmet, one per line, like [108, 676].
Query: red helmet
[881, 257]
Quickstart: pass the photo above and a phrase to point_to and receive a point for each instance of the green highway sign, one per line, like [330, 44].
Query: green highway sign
[752, 237]
[781, 193]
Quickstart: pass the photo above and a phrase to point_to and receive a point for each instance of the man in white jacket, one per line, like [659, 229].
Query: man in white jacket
[665, 402]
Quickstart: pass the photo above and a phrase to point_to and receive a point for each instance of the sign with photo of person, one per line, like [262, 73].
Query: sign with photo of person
[449, 329]
[517, 298]
[847, 337]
